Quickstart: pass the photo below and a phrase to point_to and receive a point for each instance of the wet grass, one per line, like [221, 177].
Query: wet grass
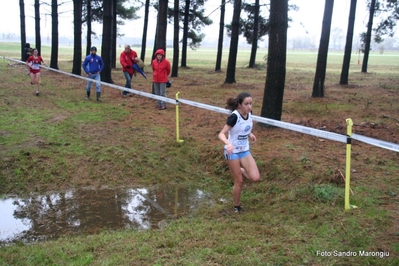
[59, 141]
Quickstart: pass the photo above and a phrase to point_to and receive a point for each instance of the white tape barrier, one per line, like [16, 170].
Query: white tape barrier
[276, 123]
[301, 129]
[377, 142]
[142, 93]
[205, 106]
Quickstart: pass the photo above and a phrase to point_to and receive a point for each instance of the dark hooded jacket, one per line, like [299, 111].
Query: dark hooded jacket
[27, 51]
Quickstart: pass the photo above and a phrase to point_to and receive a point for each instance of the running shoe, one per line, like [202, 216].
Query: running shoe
[238, 209]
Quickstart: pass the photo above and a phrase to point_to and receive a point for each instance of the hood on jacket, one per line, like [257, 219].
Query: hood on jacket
[160, 51]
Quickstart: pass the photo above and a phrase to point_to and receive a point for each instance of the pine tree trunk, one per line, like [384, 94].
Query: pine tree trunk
[38, 38]
[318, 85]
[144, 38]
[185, 35]
[254, 47]
[272, 104]
[54, 34]
[368, 37]
[220, 40]
[348, 44]
[88, 24]
[175, 65]
[77, 37]
[235, 24]
[162, 24]
[114, 35]
[106, 46]
[22, 29]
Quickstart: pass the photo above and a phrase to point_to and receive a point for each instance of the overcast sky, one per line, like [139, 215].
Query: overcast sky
[306, 22]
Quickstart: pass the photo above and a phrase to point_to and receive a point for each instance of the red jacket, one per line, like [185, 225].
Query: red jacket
[161, 69]
[127, 60]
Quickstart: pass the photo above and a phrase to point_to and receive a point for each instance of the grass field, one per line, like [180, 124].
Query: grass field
[207, 56]
[295, 216]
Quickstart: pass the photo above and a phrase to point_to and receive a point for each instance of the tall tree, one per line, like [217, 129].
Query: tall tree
[272, 104]
[253, 28]
[22, 28]
[106, 46]
[254, 47]
[220, 39]
[176, 29]
[386, 26]
[77, 37]
[95, 12]
[348, 44]
[155, 42]
[144, 38]
[88, 25]
[54, 34]
[318, 85]
[368, 36]
[38, 37]
[162, 23]
[235, 24]
[114, 33]
[185, 34]
[194, 18]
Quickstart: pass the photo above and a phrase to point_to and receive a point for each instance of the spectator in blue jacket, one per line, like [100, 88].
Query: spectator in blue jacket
[93, 65]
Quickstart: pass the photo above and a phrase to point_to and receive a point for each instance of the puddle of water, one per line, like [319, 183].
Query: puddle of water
[87, 211]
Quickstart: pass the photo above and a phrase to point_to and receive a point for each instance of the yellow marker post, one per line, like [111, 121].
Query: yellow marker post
[349, 124]
[178, 140]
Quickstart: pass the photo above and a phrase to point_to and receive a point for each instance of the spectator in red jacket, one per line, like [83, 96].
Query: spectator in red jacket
[161, 71]
[127, 58]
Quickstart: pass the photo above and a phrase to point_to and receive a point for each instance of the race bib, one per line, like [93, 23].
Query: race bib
[35, 66]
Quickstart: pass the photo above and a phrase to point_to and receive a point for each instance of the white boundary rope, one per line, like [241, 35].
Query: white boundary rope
[376, 142]
[142, 93]
[276, 123]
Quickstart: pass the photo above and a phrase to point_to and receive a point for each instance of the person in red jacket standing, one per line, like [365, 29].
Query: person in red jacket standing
[127, 58]
[161, 71]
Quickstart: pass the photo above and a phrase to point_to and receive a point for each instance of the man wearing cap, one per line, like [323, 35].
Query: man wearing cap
[93, 65]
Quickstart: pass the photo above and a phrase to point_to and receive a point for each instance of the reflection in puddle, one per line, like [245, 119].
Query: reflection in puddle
[86, 211]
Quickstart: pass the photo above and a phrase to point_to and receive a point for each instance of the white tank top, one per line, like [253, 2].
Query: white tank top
[238, 134]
